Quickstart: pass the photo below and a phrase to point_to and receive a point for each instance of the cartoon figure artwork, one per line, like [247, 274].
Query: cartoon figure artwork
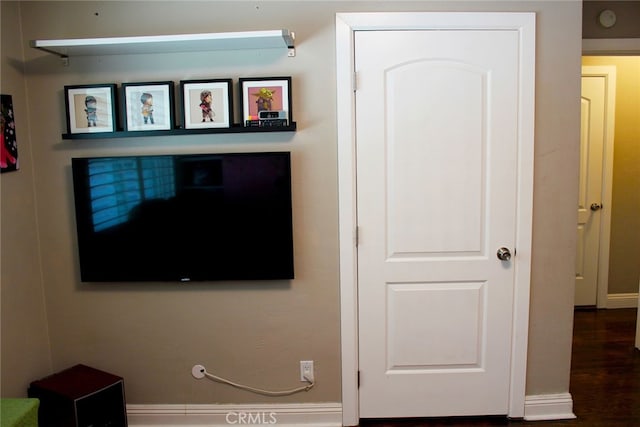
[205, 105]
[91, 108]
[265, 99]
[147, 107]
[8, 144]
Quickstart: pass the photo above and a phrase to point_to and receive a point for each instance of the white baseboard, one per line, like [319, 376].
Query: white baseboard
[629, 300]
[537, 408]
[548, 407]
[295, 414]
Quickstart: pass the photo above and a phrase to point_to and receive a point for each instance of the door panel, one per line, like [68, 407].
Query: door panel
[447, 309]
[592, 122]
[436, 132]
[455, 158]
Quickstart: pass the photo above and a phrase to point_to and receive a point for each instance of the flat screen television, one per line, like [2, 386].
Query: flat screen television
[184, 217]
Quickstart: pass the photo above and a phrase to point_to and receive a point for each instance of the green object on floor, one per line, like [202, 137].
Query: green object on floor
[19, 412]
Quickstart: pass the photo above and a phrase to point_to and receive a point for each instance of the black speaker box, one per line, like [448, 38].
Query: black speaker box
[80, 396]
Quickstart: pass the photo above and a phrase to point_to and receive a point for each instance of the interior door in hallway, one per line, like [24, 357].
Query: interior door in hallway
[437, 136]
[590, 193]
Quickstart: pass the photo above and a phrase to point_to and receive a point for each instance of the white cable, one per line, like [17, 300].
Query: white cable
[258, 390]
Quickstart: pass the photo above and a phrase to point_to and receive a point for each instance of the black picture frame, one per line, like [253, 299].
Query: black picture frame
[90, 108]
[269, 94]
[197, 112]
[148, 106]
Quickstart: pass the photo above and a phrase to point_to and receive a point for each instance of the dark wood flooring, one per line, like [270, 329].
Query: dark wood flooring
[605, 378]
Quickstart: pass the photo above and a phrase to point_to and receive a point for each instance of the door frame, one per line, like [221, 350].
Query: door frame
[610, 47]
[608, 72]
[346, 25]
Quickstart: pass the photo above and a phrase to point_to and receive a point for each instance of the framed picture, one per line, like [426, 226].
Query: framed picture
[148, 106]
[9, 144]
[266, 98]
[206, 103]
[90, 108]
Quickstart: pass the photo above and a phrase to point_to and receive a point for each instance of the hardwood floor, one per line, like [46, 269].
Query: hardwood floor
[605, 378]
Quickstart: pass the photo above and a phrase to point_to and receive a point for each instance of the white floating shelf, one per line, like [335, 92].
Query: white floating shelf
[271, 39]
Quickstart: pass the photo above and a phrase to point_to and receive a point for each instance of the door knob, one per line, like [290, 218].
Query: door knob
[504, 254]
[596, 206]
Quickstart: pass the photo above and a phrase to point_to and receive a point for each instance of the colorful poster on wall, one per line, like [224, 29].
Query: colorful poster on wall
[9, 145]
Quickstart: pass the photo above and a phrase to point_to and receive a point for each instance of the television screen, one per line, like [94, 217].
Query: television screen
[187, 217]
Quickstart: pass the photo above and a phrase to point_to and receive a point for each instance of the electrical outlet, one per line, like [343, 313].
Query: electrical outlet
[306, 371]
[198, 371]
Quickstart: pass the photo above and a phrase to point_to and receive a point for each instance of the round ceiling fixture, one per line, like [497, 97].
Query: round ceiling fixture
[607, 18]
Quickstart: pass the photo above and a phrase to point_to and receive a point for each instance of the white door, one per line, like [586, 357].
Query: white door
[437, 131]
[592, 122]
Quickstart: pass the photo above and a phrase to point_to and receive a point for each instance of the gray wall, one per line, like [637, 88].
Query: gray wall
[627, 18]
[255, 332]
[25, 343]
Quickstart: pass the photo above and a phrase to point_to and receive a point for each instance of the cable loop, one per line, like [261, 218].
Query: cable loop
[259, 390]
